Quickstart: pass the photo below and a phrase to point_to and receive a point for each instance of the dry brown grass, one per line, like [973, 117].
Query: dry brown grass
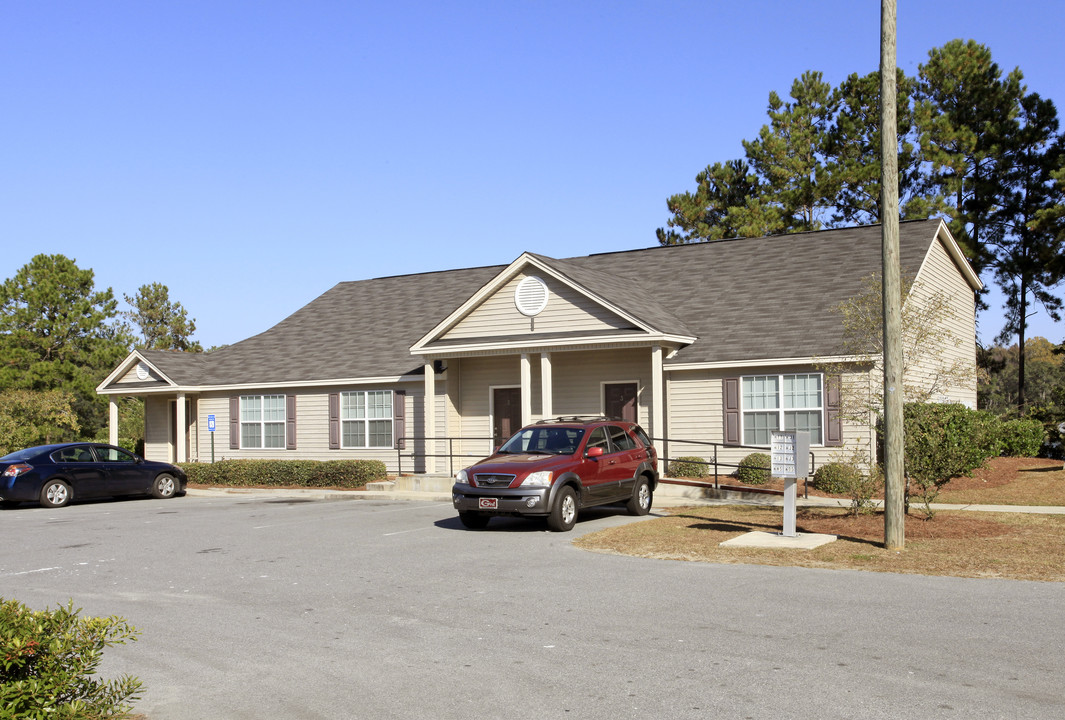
[1018, 546]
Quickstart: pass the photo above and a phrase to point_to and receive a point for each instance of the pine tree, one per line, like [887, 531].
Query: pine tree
[965, 109]
[164, 325]
[1025, 250]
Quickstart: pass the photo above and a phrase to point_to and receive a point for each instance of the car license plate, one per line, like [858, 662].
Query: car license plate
[487, 503]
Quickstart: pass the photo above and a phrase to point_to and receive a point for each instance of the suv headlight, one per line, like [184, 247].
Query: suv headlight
[543, 478]
[461, 477]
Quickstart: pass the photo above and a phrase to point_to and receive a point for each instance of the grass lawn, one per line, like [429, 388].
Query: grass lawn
[962, 543]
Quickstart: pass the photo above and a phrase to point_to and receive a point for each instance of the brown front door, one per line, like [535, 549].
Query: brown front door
[506, 414]
[619, 401]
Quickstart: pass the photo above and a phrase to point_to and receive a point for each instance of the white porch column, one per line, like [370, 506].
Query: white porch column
[547, 407]
[658, 404]
[179, 431]
[526, 390]
[112, 421]
[430, 416]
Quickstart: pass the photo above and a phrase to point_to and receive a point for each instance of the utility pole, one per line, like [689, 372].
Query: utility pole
[894, 482]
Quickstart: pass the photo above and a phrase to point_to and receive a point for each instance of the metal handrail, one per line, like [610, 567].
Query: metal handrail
[659, 442]
[665, 442]
[450, 454]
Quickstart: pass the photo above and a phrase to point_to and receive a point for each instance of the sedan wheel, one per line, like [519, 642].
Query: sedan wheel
[164, 486]
[55, 494]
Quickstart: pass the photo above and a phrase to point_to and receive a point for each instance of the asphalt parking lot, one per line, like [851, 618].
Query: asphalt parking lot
[286, 608]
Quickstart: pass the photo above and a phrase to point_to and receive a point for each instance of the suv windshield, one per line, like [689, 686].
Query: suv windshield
[546, 440]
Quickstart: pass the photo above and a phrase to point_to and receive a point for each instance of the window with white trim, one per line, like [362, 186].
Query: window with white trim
[262, 422]
[782, 402]
[366, 419]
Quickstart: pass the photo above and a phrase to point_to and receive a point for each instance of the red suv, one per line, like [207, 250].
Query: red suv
[554, 468]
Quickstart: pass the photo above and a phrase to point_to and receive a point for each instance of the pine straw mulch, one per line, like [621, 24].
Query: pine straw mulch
[1002, 481]
[961, 543]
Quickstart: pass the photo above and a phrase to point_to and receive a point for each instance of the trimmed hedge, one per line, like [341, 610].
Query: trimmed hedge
[1021, 437]
[283, 473]
[754, 469]
[689, 467]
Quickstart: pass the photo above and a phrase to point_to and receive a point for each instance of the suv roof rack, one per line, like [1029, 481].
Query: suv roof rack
[574, 419]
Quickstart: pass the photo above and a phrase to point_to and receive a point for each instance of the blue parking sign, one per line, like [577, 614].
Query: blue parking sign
[210, 423]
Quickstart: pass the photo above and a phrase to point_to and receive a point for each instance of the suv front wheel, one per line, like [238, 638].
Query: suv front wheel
[564, 514]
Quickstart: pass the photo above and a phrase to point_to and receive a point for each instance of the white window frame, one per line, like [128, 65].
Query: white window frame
[780, 410]
[262, 422]
[348, 418]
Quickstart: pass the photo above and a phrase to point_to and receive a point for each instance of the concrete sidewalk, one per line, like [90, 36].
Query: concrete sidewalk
[664, 497]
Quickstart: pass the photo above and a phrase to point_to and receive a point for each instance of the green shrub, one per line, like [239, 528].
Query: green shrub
[1021, 437]
[837, 478]
[754, 469]
[283, 473]
[863, 489]
[48, 664]
[689, 467]
[945, 441]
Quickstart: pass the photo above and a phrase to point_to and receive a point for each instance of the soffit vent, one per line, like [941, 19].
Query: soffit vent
[530, 297]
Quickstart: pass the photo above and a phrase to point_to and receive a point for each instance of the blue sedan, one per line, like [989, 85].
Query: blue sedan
[53, 475]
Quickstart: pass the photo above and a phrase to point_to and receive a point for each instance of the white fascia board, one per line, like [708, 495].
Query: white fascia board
[118, 389]
[554, 345]
[944, 234]
[501, 279]
[767, 362]
[487, 289]
[132, 359]
[592, 296]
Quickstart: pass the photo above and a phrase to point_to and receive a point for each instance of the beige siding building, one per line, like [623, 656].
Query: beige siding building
[709, 346]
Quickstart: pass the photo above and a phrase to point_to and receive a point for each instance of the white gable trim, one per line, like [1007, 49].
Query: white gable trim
[124, 367]
[524, 261]
[944, 235]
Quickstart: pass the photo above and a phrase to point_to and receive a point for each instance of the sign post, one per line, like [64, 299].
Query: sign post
[790, 460]
[210, 429]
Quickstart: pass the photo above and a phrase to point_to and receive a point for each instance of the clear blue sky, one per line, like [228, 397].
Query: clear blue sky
[251, 155]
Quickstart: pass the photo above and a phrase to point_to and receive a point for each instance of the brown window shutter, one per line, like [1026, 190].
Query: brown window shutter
[290, 422]
[733, 426]
[399, 419]
[334, 421]
[234, 423]
[833, 420]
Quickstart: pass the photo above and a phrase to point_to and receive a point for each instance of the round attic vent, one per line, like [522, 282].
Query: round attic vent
[530, 297]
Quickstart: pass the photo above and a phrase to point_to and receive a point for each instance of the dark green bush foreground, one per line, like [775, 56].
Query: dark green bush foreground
[282, 473]
[48, 660]
[754, 469]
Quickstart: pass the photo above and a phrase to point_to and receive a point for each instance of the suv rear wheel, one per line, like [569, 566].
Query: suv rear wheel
[640, 502]
[564, 514]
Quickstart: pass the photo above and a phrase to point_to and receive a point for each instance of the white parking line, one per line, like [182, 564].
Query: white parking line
[29, 572]
[402, 532]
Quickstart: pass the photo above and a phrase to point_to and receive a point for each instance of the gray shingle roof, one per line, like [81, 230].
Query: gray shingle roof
[745, 299]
